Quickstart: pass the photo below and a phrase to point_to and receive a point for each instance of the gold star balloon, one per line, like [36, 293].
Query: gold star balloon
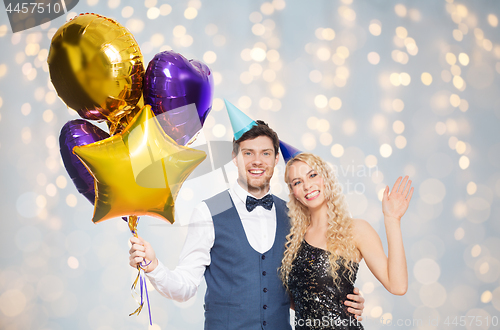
[138, 171]
[96, 67]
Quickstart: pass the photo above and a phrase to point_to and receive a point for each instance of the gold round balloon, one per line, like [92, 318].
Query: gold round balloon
[96, 67]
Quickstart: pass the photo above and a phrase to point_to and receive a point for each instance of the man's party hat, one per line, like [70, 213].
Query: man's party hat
[239, 121]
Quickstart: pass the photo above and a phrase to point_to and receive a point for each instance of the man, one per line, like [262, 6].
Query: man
[236, 240]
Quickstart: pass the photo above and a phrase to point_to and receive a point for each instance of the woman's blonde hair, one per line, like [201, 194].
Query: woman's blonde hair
[339, 236]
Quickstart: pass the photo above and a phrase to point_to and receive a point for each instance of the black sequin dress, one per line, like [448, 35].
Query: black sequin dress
[319, 304]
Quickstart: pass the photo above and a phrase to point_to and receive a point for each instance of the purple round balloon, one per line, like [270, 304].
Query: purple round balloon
[79, 132]
[174, 83]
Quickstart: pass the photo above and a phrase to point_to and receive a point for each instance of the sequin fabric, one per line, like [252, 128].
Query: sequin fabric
[319, 304]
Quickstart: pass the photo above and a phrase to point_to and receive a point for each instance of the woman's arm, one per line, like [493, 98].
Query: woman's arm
[390, 270]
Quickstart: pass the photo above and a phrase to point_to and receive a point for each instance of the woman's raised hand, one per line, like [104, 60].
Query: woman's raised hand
[395, 204]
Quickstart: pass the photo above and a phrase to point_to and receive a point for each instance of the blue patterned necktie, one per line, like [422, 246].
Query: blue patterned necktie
[266, 202]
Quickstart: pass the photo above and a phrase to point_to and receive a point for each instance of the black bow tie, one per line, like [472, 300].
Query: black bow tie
[266, 202]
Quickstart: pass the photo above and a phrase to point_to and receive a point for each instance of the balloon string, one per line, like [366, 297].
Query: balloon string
[146, 290]
[134, 285]
[140, 279]
[147, 299]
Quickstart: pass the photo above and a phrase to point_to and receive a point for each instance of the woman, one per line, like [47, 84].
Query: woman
[325, 245]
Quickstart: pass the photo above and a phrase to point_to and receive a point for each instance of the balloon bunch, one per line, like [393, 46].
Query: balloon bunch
[97, 69]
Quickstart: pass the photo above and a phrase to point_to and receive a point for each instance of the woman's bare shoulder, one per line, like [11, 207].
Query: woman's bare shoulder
[360, 223]
[360, 228]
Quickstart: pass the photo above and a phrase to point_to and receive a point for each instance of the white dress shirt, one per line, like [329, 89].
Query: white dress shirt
[182, 283]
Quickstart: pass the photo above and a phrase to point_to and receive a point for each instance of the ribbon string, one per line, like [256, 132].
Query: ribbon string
[141, 277]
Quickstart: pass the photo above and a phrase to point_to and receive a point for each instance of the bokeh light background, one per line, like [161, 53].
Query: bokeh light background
[377, 88]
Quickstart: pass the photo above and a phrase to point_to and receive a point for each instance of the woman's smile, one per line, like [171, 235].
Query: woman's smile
[312, 195]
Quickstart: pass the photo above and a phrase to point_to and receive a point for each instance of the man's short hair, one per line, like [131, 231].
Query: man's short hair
[261, 129]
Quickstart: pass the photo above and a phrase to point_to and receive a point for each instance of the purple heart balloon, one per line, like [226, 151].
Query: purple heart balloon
[79, 132]
[174, 83]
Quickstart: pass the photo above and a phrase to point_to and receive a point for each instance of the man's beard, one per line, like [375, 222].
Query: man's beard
[258, 184]
[252, 184]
